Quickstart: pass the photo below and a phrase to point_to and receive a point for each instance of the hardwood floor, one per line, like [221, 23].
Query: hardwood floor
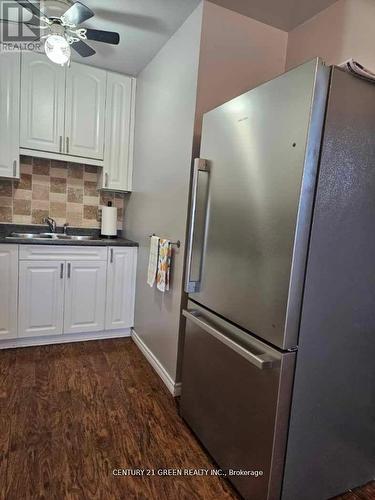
[70, 414]
[366, 492]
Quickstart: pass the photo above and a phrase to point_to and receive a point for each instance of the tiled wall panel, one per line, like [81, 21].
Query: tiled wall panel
[48, 188]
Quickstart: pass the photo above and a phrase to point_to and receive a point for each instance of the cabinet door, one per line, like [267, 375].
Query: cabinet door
[42, 103]
[41, 298]
[119, 126]
[85, 111]
[8, 291]
[122, 263]
[10, 66]
[85, 297]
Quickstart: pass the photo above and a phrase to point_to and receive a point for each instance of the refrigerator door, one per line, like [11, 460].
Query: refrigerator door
[252, 203]
[236, 398]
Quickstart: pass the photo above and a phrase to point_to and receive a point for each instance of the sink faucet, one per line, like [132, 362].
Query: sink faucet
[51, 224]
[66, 225]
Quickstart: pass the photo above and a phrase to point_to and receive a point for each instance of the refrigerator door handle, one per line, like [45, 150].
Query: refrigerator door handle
[261, 361]
[191, 285]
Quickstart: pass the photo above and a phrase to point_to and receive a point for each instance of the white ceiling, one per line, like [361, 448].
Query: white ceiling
[146, 25]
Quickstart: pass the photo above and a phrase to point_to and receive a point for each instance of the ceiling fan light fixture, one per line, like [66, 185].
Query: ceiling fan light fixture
[57, 49]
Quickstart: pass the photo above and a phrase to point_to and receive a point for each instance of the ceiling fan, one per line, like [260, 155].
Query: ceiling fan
[64, 31]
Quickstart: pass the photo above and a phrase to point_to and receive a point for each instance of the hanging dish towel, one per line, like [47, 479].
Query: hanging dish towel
[357, 69]
[153, 261]
[164, 265]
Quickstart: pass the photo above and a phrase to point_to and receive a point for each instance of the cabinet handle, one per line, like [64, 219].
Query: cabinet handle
[111, 256]
[106, 180]
[67, 144]
[61, 271]
[69, 267]
[61, 144]
[15, 168]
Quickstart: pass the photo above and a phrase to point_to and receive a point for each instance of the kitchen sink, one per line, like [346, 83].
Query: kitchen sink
[27, 236]
[51, 236]
[79, 237]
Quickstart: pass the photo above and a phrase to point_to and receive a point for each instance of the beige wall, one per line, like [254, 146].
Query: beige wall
[165, 111]
[344, 30]
[237, 54]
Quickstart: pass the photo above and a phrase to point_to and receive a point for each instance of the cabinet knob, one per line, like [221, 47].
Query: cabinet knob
[67, 144]
[69, 268]
[61, 144]
[61, 270]
[106, 179]
[111, 260]
[15, 168]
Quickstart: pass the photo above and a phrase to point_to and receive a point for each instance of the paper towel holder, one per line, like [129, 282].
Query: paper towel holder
[173, 243]
[109, 223]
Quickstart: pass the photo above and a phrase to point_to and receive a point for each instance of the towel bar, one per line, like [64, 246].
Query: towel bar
[173, 243]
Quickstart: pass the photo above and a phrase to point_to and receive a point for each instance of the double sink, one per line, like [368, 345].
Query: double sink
[51, 236]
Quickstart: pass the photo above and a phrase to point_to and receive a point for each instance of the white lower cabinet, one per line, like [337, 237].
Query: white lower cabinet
[85, 297]
[41, 298]
[48, 290]
[122, 262]
[8, 291]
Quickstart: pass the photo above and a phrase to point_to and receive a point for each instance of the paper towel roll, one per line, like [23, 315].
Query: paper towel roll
[109, 221]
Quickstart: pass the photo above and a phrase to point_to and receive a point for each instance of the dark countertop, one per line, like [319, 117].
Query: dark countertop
[7, 229]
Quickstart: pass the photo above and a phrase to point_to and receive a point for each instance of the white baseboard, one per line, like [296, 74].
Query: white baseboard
[173, 387]
[63, 339]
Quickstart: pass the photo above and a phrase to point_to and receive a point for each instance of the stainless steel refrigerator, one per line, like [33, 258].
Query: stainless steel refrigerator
[277, 376]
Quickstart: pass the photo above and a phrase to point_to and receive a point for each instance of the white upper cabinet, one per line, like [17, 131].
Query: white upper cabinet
[79, 113]
[119, 127]
[122, 266]
[85, 111]
[42, 103]
[85, 297]
[9, 114]
[8, 291]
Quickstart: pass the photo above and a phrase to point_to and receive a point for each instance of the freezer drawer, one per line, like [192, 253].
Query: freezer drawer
[236, 398]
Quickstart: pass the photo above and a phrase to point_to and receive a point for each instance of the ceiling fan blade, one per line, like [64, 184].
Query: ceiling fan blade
[31, 8]
[83, 49]
[78, 13]
[32, 22]
[103, 36]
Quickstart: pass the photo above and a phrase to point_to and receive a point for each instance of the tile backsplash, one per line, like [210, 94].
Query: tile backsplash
[50, 188]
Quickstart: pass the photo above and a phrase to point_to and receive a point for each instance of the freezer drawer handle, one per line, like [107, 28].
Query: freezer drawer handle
[261, 361]
[193, 286]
